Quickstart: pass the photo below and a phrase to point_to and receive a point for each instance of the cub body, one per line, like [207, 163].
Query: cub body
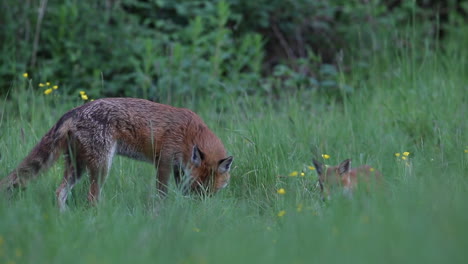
[345, 177]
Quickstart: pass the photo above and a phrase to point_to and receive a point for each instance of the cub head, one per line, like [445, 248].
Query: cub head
[208, 174]
[331, 176]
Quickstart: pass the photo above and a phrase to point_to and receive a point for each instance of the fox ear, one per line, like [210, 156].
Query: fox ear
[197, 156]
[344, 167]
[318, 166]
[225, 164]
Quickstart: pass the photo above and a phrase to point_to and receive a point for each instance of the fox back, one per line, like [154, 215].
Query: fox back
[345, 177]
[175, 140]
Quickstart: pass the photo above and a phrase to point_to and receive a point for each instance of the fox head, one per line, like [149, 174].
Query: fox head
[332, 176]
[208, 173]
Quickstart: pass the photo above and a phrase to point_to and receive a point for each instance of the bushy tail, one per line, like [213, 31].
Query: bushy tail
[41, 157]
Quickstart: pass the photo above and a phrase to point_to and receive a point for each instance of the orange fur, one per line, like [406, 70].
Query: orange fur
[173, 139]
[345, 177]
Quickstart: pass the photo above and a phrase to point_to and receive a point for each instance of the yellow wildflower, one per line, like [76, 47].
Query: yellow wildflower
[299, 208]
[403, 158]
[302, 174]
[397, 154]
[281, 213]
[55, 87]
[466, 150]
[294, 173]
[47, 83]
[82, 93]
[47, 91]
[18, 252]
[281, 191]
[41, 85]
[371, 169]
[84, 97]
[325, 156]
[406, 153]
[25, 75]
[311, 167]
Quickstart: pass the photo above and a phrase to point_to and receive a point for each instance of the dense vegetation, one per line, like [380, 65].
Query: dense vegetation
[166, 49]
[281, 83]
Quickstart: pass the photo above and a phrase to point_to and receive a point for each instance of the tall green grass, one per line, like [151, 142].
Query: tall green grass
[414, 103]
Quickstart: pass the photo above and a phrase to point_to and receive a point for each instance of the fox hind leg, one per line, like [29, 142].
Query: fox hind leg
[96, 175]
[73, 171]
[98, 170]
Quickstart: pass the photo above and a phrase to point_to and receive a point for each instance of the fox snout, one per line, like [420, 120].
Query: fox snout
[211, 184]
[209, 187]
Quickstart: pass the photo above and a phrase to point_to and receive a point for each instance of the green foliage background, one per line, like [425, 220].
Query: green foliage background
[170, 49]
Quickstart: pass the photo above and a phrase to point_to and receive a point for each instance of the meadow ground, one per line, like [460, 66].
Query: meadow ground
[415, 104]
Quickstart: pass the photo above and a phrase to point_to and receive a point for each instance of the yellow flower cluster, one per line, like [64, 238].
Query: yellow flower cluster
[83, 95]
[281, 191]
[302, 173]
[50, 88]
[405, 155]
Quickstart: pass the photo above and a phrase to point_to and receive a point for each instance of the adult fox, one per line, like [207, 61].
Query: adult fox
[173, 139]
[345, 177]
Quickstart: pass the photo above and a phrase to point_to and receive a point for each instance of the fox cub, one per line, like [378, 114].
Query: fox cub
[173, 139]
[345, 177]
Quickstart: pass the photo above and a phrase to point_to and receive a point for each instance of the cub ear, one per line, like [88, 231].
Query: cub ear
[318, 166]
[197, 156]
[225, 164]
[344, 167]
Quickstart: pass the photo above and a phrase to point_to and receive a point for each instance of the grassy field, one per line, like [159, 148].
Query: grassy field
[414, 102]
